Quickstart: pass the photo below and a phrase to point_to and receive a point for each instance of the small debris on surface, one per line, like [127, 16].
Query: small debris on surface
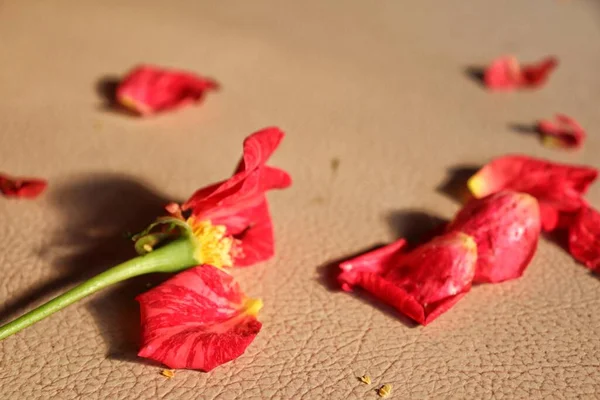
[366, 379]
[169, 373]
[385, 390]
[335, 164]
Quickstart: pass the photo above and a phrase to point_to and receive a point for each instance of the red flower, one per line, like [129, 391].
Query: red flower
[423, 283]
[148, 89]
[506, 228]
[563, 132]
[22, 187]
[198, 319]
[505, 73]
[559, 188]
[239, 203]
[584, 237]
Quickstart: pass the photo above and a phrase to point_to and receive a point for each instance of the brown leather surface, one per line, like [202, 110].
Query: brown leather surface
[378, 85]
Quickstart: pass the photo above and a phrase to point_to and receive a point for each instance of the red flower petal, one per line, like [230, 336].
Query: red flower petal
[422, 284]
[584, 237]
[22, 187]
[506, 227]
[563, 132]
[198, 319]
[239, 203]
[149, 89]
[559, 188]
[505, 73]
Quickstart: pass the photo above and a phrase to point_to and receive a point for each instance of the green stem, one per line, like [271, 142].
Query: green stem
[173, 257]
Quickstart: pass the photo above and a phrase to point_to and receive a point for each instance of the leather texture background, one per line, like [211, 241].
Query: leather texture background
[379, 86]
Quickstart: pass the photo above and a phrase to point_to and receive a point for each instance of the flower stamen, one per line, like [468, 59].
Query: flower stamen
[214, 246]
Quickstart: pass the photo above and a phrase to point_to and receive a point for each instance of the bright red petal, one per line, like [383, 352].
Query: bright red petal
[563, 132]
[422, 284]
[198, 319]
[506, 227]
[505, 73]
[584, 237]
[149, 89]
[22, 187]
[559, 188]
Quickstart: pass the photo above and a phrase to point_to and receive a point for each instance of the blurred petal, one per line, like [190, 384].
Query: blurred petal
[505, 73]
[22, 187]
[584, 237]
[563, 132]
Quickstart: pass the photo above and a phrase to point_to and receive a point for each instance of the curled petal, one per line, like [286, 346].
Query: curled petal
[584, 237]
[563, 132]
[198, 319]
[506, 226]
[505, 73]
[148, 89]
[22, 187]
[559, 188]
[423, 283]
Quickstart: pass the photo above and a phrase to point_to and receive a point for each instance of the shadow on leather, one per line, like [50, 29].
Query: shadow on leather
[455, 184]
[98, 211]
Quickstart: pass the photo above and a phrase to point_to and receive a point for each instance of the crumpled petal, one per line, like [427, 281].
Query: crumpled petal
[423, 283]
[505, 73]
[149, 89]
[584, 237]
[239, 203]
[563, 132]
[22, 187]
[506, 227]
[559, 188]
[198, 319]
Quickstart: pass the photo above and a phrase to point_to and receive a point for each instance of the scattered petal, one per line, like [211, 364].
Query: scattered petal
[239, 203]
[505, 73]
[22, 187]
[423, 283]
[385, 390]
[168, 373]
[506, 226]
[563, 132]
[366, 379]
[198, 319]
[584, 237]
[149, 89]
[559, 188]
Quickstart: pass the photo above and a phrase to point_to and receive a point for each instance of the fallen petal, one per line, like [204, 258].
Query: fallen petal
[198, 319]
[584, 237]
[506, 227]
[22, 187]
[563, 132]
[505, 73]
[149, 89]
[422, 284]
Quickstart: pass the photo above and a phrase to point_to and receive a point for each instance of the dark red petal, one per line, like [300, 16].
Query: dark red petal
[564, 132]
[584, 237]
[558, 187]
[505, 73]
[198, 319]
[421, 284]
[506, 227]
[22, 187]
[149, 89]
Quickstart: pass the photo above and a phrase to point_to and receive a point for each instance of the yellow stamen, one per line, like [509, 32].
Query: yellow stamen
[214, 246]
[476, 185]
[253, 306]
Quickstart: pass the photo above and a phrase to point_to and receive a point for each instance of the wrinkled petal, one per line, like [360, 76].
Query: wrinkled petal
[505, 73]
[506, 227]
[198, 319]
[423, 283]
[559, 188]
[149, 89]
[563, 132]
[22, 187]
[584, 237]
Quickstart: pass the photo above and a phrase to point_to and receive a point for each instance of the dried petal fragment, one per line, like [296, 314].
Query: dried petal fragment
[385, 390]
[22, 187]
[559, 188]
[563, 132]
[506, 226]
[149, 89]
[505, 73]
[584, 237]
[239, 203]
[168, 373]
[198, 319]
[422, 284]
[366, 379]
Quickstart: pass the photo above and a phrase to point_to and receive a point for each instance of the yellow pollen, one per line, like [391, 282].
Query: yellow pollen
[214, 246]
[476, 185]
